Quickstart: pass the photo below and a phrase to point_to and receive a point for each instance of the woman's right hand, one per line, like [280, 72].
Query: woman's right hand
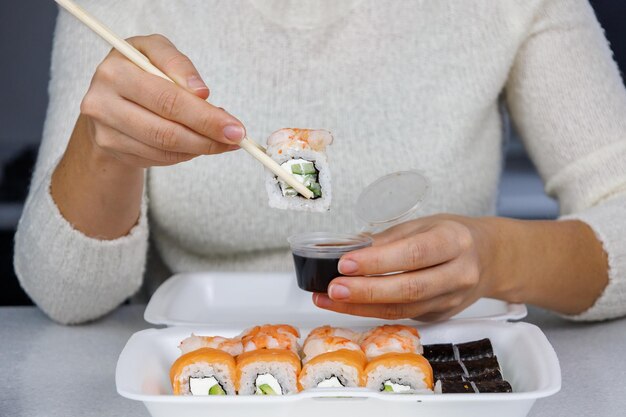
[131, 120]
[143, 120]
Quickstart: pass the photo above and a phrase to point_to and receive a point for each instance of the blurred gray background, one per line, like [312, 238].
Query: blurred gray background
[26, 28]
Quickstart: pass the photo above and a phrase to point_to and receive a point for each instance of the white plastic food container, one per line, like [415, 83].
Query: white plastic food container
[225, 304]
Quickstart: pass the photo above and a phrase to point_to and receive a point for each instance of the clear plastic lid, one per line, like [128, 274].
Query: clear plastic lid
[391, 199]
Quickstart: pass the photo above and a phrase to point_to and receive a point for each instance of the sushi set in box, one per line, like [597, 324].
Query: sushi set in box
[245, 343]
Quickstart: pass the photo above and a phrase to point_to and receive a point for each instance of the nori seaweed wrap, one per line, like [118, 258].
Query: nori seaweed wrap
[481, 368]
[443, 352]
[457, 387]
[448, 370]
[474, 387]
[488, 375]
[475, 350]
[493, 386]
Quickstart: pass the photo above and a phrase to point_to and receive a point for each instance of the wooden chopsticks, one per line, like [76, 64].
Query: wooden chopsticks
[126, 49]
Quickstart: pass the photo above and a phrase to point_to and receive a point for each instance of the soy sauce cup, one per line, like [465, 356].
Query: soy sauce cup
[390, 200]
[316, 256]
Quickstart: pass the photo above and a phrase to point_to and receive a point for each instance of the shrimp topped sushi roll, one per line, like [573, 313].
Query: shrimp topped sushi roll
[204, 371]
[301, 152]
[270, 363]
[323, 332]
[194, 342]
[391, 339]
[318, 346]
[270, 336]
[331, 361]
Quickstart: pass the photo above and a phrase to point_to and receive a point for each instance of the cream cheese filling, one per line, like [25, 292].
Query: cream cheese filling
[201, 386]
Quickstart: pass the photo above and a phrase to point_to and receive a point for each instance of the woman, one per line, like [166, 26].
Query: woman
[400, 84]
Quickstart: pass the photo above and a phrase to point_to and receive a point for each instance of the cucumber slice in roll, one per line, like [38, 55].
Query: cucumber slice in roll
[217, 390]
[266, 389]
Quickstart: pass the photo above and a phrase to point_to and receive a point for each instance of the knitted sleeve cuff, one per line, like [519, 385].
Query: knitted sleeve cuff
[74, 278]
[608, 220]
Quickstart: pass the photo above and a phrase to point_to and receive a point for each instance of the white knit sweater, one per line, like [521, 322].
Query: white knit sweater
[401, 84]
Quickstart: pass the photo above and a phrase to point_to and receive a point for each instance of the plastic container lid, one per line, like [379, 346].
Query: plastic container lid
[327, 245]
[391, 199]
[201, 299]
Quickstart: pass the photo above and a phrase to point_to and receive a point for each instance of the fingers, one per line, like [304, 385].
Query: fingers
[150, 129]
[165, 98]
[165, 56]
[132, 151]
[433, 306]
[420, 250]
[408, 287]
[173, 103]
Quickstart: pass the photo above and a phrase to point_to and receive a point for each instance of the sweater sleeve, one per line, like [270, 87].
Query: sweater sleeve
[567, 99]
[71, 277]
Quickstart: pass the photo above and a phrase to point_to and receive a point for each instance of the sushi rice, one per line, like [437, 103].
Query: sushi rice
[295, 150]
[268, 361]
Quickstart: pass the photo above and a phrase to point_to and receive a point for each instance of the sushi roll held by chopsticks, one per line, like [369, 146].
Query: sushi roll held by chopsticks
[301, 152]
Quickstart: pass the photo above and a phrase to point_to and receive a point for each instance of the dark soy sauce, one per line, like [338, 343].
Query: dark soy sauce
[314, 274]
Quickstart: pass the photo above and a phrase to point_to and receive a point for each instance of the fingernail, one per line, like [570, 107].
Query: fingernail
[195, 83]
[347, 266]
[234, 133]
[338, 292]
[321, 300]
[233, 147]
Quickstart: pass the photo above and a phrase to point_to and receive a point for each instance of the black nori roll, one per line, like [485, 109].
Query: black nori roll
[439, 353]
[474, 387]
[485, 369]
[479, 368]
[491, 375]
[448, 370]
[486, 387]
[456, 387]
[475, 350]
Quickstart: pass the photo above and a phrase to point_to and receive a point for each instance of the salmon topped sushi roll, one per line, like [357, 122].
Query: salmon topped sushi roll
[391, 339]
[399, 373]
[336, 369]
[194, 342]
[267, 372]
[204, 371]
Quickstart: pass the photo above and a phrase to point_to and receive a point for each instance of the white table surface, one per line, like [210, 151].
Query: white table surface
[52, 370]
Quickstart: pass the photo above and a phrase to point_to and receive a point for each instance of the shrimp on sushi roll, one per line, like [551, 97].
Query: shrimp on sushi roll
[391, 339]
[323, 332]
[331, 362]
[270, 363]
[301, 152]
[194, 342]
[270, 336]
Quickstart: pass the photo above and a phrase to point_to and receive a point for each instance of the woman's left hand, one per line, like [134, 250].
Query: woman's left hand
[440, 265]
